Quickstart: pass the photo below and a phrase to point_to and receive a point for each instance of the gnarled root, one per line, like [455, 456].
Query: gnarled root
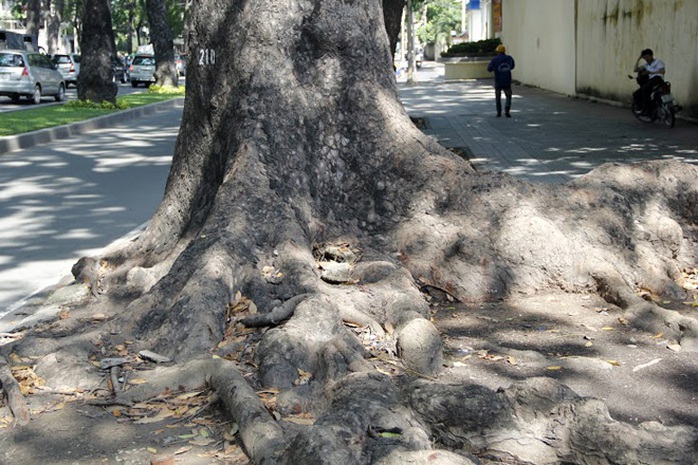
[15, 399]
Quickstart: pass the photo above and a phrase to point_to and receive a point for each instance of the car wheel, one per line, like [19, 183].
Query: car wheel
[36, 95]
[134, 83]
[60, 96]
[15, 98]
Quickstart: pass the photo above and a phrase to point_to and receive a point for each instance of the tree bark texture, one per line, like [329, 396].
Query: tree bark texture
[163, 45]
[298, 172]
[55, 18]
[34, 19]
[95, 82]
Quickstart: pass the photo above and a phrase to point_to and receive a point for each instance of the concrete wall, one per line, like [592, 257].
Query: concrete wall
[540, 35]
[588, 47]
[613, 32]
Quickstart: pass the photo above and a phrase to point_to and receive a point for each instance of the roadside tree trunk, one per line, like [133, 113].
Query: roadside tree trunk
[163, 45]
[96, 80]
[303, 200]
[34, 19]
[55, 18]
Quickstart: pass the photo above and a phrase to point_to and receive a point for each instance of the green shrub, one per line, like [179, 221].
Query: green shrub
[119, 105]
[473, 49]
[170, 90]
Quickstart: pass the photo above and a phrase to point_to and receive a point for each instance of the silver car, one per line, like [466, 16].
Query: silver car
[68, 64]
[29, 74]
[142, 70]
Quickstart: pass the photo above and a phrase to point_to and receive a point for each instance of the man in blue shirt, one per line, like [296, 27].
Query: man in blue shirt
[502, 65]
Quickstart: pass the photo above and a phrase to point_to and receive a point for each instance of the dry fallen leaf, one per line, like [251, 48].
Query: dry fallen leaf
[160, 416]
[615, 363]
[200, 441]
[554, 368]
[303, 378]
[164, 460]
[303, 419]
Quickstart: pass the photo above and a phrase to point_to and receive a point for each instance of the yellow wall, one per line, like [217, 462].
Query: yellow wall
[588, 47]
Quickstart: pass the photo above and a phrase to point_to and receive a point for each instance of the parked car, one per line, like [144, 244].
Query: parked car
[68, 65]
[118, 69]
[29, 74]
[142, 70]
[181, 63]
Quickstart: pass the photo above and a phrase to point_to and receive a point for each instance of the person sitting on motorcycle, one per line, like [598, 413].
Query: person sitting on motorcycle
[650, 74]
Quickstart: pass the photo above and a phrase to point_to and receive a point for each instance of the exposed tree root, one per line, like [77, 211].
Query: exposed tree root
[276, 315]
[15, 399]
[368, 418]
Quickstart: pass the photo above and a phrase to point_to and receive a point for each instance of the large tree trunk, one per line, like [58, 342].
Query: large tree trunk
[163, 45]
[300, 188]
[96, 82]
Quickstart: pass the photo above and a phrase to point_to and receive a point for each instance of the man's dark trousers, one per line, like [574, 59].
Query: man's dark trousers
[498, 97]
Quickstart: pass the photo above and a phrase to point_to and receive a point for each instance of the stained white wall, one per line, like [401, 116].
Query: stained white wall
[588, 47]
[540, 35]
[613, 32]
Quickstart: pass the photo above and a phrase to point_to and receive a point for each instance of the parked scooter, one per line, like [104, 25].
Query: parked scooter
[662, 107]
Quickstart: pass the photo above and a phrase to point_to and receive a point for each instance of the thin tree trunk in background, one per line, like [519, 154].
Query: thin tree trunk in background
[129, 27]
[54, 27]
[411, 63]
[163, 44]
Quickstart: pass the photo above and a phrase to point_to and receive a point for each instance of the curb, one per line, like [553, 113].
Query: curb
[44, 136]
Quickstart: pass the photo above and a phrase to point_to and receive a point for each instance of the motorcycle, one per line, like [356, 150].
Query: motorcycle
[662, 107]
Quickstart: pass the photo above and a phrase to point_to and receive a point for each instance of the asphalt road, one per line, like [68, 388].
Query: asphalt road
[72, 197]
[6, 103]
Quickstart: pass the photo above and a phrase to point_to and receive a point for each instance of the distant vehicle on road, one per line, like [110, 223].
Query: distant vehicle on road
[118, 69]
[12, 40]
[181, 63]
[68, 64]
[29, 74]
[142, 70]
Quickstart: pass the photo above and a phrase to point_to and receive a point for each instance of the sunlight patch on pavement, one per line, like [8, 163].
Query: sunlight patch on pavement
[109, 165]
[78, 233]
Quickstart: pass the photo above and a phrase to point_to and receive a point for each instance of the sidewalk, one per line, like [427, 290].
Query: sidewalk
[550, 137]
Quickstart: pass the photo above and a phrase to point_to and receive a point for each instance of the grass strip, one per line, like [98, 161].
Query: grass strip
[41, 117]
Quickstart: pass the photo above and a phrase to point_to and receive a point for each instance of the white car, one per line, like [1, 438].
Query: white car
[29, 74]
[68, 64]
[142, 70]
